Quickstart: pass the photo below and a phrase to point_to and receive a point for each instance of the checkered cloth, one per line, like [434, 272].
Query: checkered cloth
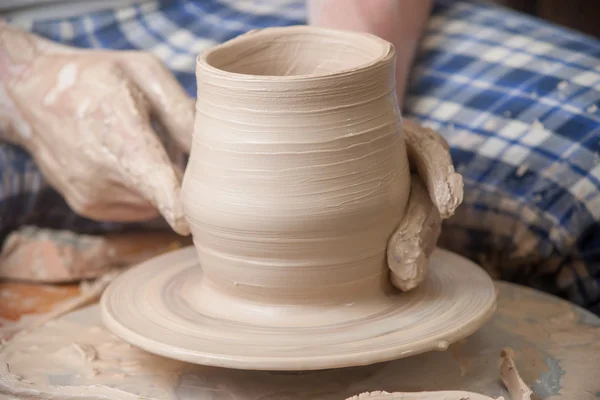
[515, 97]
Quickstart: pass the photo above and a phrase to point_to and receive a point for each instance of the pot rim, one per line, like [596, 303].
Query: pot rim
[387, 52]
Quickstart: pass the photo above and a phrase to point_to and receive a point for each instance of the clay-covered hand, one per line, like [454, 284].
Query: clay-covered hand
[436, 192]
[86, 117]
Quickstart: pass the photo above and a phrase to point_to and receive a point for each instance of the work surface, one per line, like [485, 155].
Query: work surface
[556, 349]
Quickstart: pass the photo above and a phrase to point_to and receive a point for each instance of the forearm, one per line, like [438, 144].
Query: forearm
[401, 22]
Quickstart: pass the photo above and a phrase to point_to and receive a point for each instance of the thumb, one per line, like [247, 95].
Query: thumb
[159, 182]
[139, 156]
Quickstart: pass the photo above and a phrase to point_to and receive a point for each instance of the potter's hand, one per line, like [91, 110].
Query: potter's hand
[85, 117]
[436, 192]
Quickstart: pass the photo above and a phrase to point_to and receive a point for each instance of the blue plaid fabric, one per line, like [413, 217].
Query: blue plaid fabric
[516, 98]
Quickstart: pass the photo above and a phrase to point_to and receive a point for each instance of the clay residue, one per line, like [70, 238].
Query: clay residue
[52, 361]
[19, 388]
[67, 360]
[517, 389]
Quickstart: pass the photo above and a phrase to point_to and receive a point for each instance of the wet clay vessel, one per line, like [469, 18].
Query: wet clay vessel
[305, 217]
[298, 174]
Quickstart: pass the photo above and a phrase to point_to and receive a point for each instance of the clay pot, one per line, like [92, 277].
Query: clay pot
[298, 172]
[297, 182]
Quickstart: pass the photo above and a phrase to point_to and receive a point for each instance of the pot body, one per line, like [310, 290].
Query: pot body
[298, 172]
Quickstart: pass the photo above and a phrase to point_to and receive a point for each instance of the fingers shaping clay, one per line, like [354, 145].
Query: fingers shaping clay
[413, 242]
[88, 119]
[429, 155]
[436, 192]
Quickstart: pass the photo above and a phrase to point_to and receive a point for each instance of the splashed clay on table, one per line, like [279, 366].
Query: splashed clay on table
[31, 367]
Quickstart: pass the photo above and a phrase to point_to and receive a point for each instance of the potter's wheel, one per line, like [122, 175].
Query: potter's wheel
[157, 306]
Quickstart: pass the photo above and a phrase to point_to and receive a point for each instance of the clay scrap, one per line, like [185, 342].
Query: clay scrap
[517, 389]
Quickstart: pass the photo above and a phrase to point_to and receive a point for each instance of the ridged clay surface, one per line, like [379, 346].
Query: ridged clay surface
[298, 173]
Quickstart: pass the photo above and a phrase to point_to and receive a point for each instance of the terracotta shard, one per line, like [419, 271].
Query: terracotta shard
[429, 154]
[413, 242]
